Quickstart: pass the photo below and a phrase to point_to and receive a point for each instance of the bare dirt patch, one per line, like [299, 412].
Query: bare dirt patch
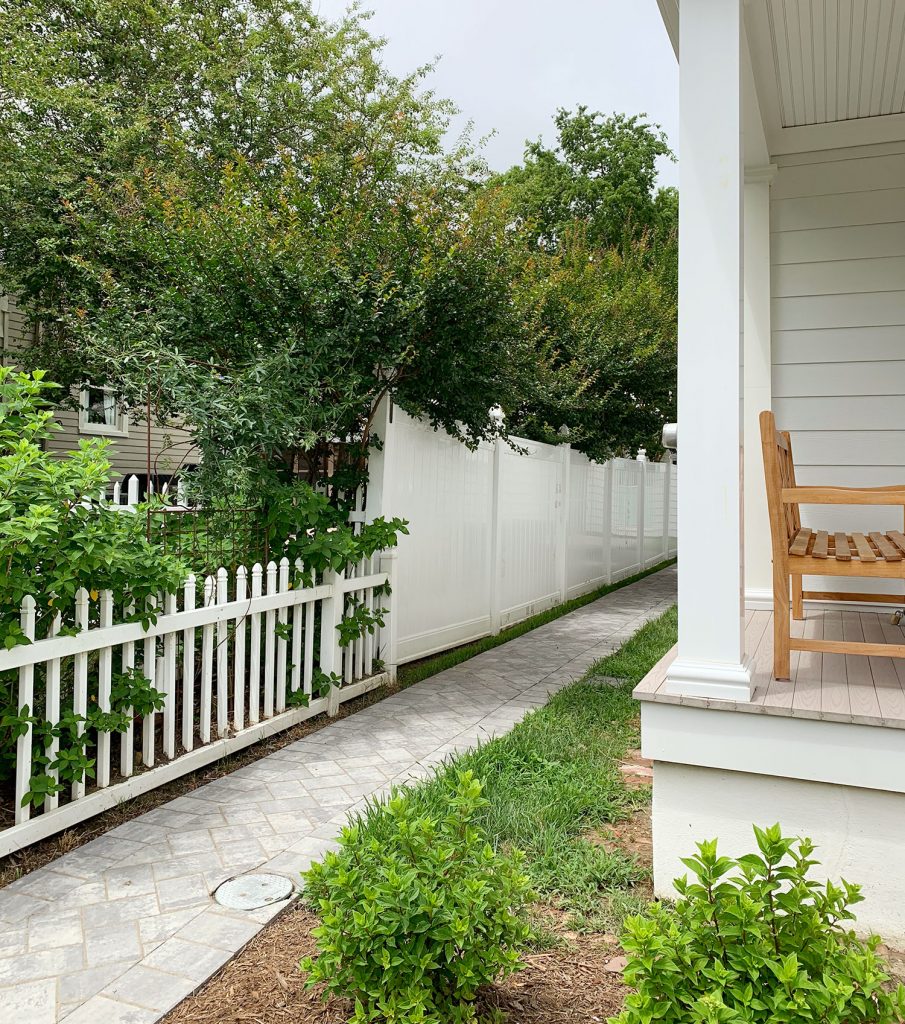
[637, 771]
[632, 836]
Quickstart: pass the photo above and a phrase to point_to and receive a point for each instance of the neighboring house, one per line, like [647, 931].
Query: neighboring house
[791, 297]
[166, 450]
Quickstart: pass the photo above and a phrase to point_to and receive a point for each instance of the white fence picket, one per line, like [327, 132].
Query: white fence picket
[254, 658]
[270, 618]
[308, 673]
[282, 620]
[207, 668]
[239, 654]
[372, 604]
[127, 739]
[104, 679]
[188, 668]
[169, 688]
[27, 705]
[295, 671]
[52, 710]
[80, 679]
[149, 720]
[222, 659]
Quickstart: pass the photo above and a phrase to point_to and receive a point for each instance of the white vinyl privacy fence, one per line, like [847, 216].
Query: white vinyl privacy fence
[497, 536]
[236, 657]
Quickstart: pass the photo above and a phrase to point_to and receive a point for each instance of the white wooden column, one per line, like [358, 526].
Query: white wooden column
[758, 383]
[711, 659]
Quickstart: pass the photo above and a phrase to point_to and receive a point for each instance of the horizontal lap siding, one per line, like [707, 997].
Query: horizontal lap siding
[838, 255]
[170, 447]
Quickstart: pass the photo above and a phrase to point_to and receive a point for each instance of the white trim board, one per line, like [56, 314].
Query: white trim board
[864, 756]
[758, 599]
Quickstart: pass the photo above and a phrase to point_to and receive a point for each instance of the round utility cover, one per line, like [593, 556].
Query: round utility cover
[249, 892]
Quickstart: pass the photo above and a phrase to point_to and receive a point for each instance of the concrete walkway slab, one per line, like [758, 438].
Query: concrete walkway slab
[122, 929]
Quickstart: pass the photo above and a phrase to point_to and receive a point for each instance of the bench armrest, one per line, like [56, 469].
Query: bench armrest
[843, 495]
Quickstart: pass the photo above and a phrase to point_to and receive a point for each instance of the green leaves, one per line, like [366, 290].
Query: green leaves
[765, 945]
[56, 538]
[602, 173]
[414, 923]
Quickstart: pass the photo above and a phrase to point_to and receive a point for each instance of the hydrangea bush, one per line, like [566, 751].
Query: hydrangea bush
[414, 923]
[756, 940]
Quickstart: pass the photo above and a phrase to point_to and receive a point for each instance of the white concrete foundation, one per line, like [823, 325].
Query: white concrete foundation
[860, 833]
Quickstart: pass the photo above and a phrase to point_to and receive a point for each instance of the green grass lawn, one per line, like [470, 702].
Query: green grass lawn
[555, 778]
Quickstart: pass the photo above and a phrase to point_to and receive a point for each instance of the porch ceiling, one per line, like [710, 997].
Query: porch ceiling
[828, 73]
[836, 60]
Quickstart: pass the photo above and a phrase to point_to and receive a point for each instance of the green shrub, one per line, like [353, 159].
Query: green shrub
[413, 924]
[756, 940]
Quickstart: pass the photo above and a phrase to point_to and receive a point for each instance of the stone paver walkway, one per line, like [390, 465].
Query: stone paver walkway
[123, 928]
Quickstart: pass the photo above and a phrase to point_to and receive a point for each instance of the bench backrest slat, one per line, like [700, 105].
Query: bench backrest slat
[779, 470]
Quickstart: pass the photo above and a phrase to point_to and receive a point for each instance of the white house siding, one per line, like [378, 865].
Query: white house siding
[838, 325]
[170, 447]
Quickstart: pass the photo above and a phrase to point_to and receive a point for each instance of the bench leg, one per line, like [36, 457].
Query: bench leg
[797, 602]
[782, 625]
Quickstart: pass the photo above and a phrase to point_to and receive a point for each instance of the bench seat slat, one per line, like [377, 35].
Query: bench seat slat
[799, 546]
[887, 549]
[843, 551]
[898, 538]
[865, 552]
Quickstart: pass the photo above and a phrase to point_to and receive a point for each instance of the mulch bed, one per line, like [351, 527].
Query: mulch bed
[578, 982]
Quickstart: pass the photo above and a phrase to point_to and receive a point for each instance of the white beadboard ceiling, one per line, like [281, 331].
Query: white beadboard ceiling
[837, 60]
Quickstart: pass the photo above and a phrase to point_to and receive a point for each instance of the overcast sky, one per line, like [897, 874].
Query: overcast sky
[509, 64]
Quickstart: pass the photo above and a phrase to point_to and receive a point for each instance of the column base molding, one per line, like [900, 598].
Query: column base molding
[759, 599]
[721, 681]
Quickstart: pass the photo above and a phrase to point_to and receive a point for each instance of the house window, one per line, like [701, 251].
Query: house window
[100, 413]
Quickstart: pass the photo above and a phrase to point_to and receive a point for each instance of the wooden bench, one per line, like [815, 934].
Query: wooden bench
[799, 551]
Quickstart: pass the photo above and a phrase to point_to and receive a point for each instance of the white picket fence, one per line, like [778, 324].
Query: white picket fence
[497, 535]
[125, 494]
[227, 654]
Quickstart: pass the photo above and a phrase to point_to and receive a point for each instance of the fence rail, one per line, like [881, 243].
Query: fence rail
[236, 657]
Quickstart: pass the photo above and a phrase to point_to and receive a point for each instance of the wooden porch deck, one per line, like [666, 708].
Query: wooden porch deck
[826, 687]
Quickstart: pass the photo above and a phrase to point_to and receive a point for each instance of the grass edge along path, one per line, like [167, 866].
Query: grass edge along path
[415, 671]
[554, 779]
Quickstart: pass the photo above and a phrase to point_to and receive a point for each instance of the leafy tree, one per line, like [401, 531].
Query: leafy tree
[610, 316]
[233, 214]
[602, 172]
[598, 281]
